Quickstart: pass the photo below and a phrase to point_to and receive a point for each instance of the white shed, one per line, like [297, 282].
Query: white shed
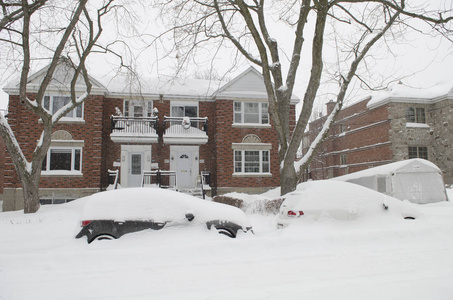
[417, 180]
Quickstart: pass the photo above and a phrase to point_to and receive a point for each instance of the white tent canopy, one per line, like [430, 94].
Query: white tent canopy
[416, 180]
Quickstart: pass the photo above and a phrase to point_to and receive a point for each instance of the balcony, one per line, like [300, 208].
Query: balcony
[133, 130]
[185, 130]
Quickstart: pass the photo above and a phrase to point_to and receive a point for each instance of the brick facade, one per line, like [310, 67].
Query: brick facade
[2, 163]
[28, 130]
[100, 153]
[226, 135]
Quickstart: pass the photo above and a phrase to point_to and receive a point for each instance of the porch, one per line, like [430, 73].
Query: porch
[185, 130]
[176, 130]
[167, 179]
[134, 129]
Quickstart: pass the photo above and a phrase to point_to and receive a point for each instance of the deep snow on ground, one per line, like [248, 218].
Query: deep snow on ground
[361, 259]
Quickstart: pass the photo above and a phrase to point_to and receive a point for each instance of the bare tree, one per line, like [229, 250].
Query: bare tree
[68, 32]
[13, 11]
[247, 24]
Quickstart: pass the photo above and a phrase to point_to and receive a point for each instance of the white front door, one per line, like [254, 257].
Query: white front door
[184, 169]
[185, 163]
[134, 160]
[135, 169]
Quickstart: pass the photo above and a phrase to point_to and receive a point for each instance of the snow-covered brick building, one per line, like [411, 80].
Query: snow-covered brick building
[184, 134]
[388, 126]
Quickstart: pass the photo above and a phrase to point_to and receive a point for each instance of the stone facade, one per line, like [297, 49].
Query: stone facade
[404, 135]
[441, 121]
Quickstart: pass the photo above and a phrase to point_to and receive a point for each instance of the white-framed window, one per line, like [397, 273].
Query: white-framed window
[251, 112]
[252, 161]
[63, 159]
[137, 108]
[415, 115]
[54, 103]
[180, 110]
[418, 152]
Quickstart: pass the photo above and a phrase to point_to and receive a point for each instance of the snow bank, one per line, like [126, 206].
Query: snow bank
[257, 203]
[320, 261]
[450, 194]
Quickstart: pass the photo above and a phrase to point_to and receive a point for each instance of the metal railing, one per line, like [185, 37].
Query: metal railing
[113, 178]
[205, 182]
[185, 125]
[160, 178]
[143, 125]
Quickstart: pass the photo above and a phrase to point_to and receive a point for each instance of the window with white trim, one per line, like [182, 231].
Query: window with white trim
[180, 111]
[251, 161]
[415, 115]
[54, 103]
[137, 108]
[251, 113]
[418, 152]
[63, 159]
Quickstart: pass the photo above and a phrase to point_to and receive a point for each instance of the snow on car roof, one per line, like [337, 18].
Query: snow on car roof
[337, 195]
[156, 204]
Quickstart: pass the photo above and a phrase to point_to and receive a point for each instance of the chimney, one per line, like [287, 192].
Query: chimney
[330, 106]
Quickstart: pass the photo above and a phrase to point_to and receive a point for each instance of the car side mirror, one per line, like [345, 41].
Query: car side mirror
[190, 217]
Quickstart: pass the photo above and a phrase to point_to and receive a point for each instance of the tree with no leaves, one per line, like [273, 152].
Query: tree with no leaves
[64, 32]
[359, 25]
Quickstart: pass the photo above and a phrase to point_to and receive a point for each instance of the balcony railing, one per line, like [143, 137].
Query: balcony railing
[133, 129]
[185, 130]
[160, 178]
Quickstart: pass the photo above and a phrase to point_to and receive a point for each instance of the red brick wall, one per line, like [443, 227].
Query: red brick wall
[28, 129]
[160, 151]
[2, 164]
[111, 151]
[364, 143]
[208, 152]
[226, 135]
[99, 152]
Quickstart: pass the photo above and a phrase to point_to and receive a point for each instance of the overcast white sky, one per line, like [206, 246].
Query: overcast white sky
[420, 61]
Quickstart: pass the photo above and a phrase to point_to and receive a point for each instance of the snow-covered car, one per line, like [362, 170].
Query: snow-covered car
[111, 214]
[328, 199]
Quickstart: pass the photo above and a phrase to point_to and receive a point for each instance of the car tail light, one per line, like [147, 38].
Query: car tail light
[85, 223]
[291, 213]
[295, 214]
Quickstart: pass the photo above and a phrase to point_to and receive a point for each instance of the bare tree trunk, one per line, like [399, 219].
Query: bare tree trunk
[85, 34]
[288, 179]
[31, 193]
[244, 24]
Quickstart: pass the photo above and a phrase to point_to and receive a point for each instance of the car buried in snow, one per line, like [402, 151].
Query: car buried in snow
[336, 200]
[112, 214]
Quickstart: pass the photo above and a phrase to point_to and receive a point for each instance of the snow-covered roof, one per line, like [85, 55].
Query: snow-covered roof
[402, 93]
[249, 85]
[124, 86]
[404, 166]
[60, 82]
